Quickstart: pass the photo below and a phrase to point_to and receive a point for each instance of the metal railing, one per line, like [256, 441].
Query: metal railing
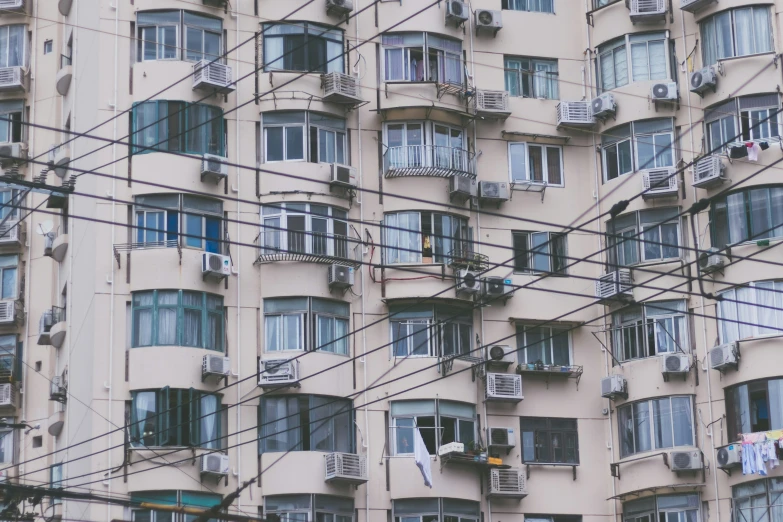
[65, 61]
[428, 160]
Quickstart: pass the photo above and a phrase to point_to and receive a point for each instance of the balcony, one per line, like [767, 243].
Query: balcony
[647, 11]
[659, 183]
[551, 372]
[11, 233]
[64, 75]
[614, 286]
[13, 79]
[212, 77]
[8, 372]
[52, 327]
[428, 160]
[306, 247]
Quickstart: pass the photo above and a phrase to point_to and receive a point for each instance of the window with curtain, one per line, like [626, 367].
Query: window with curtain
[10, 363]
[56, 480]
[416, 237]
[417, 144]
[720, 126]
[161, 35]
[641, 331]
[306, 323]
[543, 344]
[6, 196]
[422, 57]
[305, 423]
[748, 214]
[13, 45]
[549, 440]
[634, 57]
[161, 217]
[303, 46]
[11, 119]
[736, 32]
[300, 135]
[435, 509]
[651, 141]
[537, 164]
[309, 508]
[754, 407]
[177, 317]
[439, 422]
[431, 331]
[759, 313]
[192, 499]
[540, 252]
[644, 236]
[176, 126]
[531, 77]
[304, 228]
[663, 508]
[7, 447]
[176, 417]
[655, 424]
[535, 6]
[8, 276]
[758, 501]
[742, 119]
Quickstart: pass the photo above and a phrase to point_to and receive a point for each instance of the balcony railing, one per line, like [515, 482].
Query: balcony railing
[428, 160]
[8, 367]
[306, 247]
[462, 257]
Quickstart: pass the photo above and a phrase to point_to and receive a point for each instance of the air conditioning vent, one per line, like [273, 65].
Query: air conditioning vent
[704, 80]
[578, 114]
[664, 92]
[340, 276]
[342, 176]
[340, 7]
[730, 456]
[468, 282]
[497, 287]
[648, 10]
[456, 12]
[711, 261]
[694, 5]
[11, 153]
[708, 172]
[215, 266]
[340, 88]
[613, 387]
[13, 79]
[488, 20]
[675, 363]
[658, 183]
[724, 356]
[213, 168]
[491, 104]
[346, 468]
[507, 483]
[275, 373]
[212, 76]
[604, 106]
[8, 395]
[10, 311]
[462, 188]
[501, 438]
[685, 460]
[215, 366]
[493, 191]
[13, 6]
[215, 465]
[504, 387]
[615, 285]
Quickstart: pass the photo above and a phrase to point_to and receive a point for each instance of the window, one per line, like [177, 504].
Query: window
[538, 6]
[305, 423]
[422, 57]
[7, 446]
[736, 32]
[747, 215]
[549, 440]
[663, 508]
[8, 269]
[299, 323]
[160, 217]
[13, 45]
[10, 364]
[56, 480]
[537, 164]
[177, 317]
[648, 330]
[439, 422]
[308, 508]
[178, 126]
[763, 315]
[431, 509]
[531, 77]
[161, 35]
[304, 228]
[644, 236]
[416, 237]
[294, 136]
[759, 501]
[748, 118]
[541, 252]
[431, 331]
[170, 417]
[553, 518]
[47, 46]
[11, 128]
[192, 499]
[6, 208]
[655, 424]
[426, 145]
[720, 126]
[303, 47]
[652, 141]
[754, 407]
[548, 345]
[648, 59]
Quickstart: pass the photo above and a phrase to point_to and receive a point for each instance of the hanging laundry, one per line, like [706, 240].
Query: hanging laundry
[772, 453]
[738, 151]
[748, 459]
[764, 145]
[760, 465]
[753, 150]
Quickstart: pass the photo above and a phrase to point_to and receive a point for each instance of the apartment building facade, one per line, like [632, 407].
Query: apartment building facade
[296, 235]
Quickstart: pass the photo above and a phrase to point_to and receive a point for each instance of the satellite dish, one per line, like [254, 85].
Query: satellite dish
[44, 228]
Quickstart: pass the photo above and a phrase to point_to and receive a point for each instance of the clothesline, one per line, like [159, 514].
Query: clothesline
[759, 450]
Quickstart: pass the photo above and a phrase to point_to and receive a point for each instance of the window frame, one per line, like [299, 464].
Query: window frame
[428, 51]
[549, 337]
[431, 318]
[735, 403]
[395, 237]
[277, 239]
[652, 424]
[616, 246]
[15, 120]
[525, 78]
[545, 148]
[645, 328]
[633, 140]
[308, 326]
[180, 215]
[438, 427]
[516, 5]
[324, 31]
[548, 432]
[734, 36]
[311, 149]
[624, 42]
[6, 54]
[544, 249]
[443, 512]
[182, 114]
[180, 36]
[724, 218]
[657, 512]
[751, 316]
[766, 498]
[14, 293]
[56, 480]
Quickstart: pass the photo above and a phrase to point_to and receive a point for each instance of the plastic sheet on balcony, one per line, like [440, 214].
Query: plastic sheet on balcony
[304, 257]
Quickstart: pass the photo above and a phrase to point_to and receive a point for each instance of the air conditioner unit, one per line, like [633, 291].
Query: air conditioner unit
[491, 104]
[340, 276]
[504, 387]
[730, 456]
[59, 389]
[13, 79]
[462, 188]
[708, 172]
[10, 311]
[613, 387]
[215, 464]
[604, 106]
[275, 373]
[212, 77]
[346, 468]
[712, 261]
[341, 7]
[8, 395]
[215, 266]
[490, 20]
[342, 176]
[704, 80]
[664, 92]
[507, 483]
[495, 287]
[675, 363]
[456, 12]
[468, 282]
[10, 153]
[502, 438]
[215, 366]
[13, 6]
[724, 356]
[648, 10]
[213, 168]
[493, 191]
[694, 5]
[685, 460]
[615, 285]
[658, 183]
[44, 326]
[577, 114]
[340, 88]
[501, 353]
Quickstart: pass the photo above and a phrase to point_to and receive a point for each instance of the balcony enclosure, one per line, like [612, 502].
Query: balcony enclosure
[426, 149]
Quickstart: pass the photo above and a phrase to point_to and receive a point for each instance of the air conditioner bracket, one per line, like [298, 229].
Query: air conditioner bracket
[572, 466]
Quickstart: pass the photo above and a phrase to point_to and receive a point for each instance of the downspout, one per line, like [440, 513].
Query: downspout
[238, 273]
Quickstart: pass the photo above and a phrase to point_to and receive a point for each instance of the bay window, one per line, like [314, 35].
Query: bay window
[549, 440]
[176, 126]
[303, 46]
[748, 214]
[10, 360]
[177, 317]
[435, 509]
[305, 423]
[306, 323]
[641, 331]
[759, 501]
[742, 119]
[160, 217]
[439, 422]
[161, 35]
[193, 499]
[8, 276]
[537, 6]
[309, 508]
[720, 126]
[663, 508]
[545, 345]
[736, 32]
[176, 417]
[634, 57]
[300, 135]
[644, 236]
[537, 164]
[422, 57]
[431, 331]
[754, 407]
[416, 237]
[11, 118]
[540, 252]
[531, 77]
[13, 45]
[759, 313]
[426, 145]
[655, 424]
[304, 228]
[644, 144]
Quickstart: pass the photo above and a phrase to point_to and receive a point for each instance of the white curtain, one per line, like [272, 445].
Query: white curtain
[272, 332]
[7, 447]
[738, 229]
[334, 51]
[273, 53]
[620, 67]
[640, 62]
[192, 324]
[743, 30]
[144, 403]
[765, 298]
[394, 67]
[607, 71]
[746, 313]
[544, 83]
[403, 237]
[209, 416]
[657, 52]
[143, 319]
[728, 313]
[167, 317]
[762, 29]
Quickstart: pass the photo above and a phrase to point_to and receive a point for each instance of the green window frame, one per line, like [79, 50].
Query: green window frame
[177, 126]
[750, 214]
[195, 499]
[176, 419]
[195, 325]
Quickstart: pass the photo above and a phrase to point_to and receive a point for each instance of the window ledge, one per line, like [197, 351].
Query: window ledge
[656, 262]
[412, 265]
[733, 58]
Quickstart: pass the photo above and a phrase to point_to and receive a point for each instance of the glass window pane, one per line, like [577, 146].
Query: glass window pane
[294, 142]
